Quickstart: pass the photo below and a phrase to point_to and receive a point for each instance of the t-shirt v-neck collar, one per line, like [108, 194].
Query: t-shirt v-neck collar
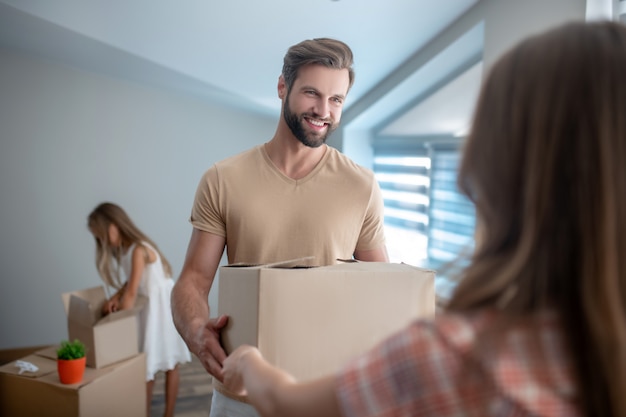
[288, 179]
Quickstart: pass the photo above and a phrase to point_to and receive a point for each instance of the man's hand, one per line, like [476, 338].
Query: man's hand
[209, 349]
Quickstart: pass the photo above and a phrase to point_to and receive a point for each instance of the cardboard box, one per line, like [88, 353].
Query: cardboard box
[108, 339]
[116, 390]
[310, 321]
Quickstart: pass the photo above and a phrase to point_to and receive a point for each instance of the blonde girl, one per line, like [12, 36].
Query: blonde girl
[132, 263]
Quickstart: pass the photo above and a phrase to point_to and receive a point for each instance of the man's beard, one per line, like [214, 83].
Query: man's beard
[296, 124]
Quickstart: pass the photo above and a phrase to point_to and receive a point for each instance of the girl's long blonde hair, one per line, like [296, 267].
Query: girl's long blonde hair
[545, 165]
[107, 256]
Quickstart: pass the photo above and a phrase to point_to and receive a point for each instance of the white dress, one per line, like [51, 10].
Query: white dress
[158, 338]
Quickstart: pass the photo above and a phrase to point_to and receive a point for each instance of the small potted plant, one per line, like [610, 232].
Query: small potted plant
[71, 361]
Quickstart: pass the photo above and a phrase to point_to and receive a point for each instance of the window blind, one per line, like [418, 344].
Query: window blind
[428, 221]
[451, 214]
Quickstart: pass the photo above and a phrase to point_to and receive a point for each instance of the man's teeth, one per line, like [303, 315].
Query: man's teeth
[316, 122]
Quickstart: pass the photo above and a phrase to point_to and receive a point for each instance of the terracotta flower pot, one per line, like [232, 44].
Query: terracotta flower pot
[71, 371]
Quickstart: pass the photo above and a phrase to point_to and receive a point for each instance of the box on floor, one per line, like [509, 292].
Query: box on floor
[310, 321]
[115, 390]
[109, 338]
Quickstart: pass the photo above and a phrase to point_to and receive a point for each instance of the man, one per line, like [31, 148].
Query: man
[289, 198]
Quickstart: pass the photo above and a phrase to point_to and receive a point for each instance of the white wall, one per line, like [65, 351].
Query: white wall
[509, 21]
[71, 139]
[505, 23]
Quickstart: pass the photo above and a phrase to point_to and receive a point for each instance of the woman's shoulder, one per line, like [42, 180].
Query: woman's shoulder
[517, 353]
[466, 330]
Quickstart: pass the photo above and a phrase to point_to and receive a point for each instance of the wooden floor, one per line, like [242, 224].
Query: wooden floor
[194, 394]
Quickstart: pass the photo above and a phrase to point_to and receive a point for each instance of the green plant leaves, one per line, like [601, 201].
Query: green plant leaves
[71, 350]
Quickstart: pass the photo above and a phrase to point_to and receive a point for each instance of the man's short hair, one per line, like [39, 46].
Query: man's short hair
[330, 53]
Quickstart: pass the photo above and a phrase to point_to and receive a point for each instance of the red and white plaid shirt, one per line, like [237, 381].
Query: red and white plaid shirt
[447, 367]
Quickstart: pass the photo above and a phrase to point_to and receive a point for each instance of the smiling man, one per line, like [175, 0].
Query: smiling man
[289, 198]
[323, 112]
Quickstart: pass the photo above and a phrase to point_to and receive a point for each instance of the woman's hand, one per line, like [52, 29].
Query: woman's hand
[235, 364]
[274, 392]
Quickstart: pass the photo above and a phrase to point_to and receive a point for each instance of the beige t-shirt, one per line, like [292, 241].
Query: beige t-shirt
[268, 217]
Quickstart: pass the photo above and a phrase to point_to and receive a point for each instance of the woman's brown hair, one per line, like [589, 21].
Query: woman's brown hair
[545, 165]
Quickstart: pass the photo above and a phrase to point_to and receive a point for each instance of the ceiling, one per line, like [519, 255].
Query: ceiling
[231, 52]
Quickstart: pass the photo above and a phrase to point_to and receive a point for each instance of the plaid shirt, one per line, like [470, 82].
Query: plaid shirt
[450, 367]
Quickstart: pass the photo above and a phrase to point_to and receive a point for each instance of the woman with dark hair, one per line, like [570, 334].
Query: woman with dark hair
[537, 324]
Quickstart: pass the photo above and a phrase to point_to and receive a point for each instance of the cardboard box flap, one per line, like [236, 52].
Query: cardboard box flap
[44, 367]
[109, 338]
[140, 303]
[83, 311]
[291, 263]
[50, 352]
[84, 306]
[344, 264]
[96, 295]
[374, 267]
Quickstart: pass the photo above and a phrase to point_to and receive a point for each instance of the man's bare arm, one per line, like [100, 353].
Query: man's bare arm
[190, 306]
[373, 255]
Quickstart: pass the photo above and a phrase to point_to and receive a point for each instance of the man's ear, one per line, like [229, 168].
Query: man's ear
[282, 87]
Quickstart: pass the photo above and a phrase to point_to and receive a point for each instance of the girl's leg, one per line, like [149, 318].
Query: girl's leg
[149, 388]
[172, 379]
